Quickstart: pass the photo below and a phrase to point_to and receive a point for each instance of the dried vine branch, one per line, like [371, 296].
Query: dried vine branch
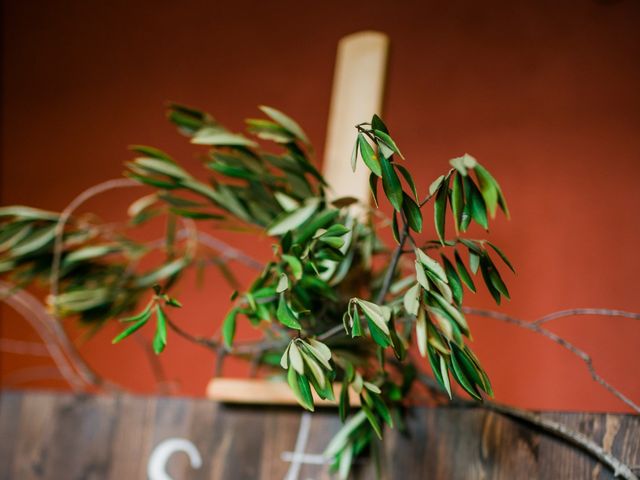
[64, 218]
[190, 232]
[21, 347]
[78, 377]
[587, 311]
[584, 356]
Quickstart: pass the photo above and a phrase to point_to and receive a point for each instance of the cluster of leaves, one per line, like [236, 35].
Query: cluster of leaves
[379, 159]
[334, 317]
[154, 306]
[93, 287]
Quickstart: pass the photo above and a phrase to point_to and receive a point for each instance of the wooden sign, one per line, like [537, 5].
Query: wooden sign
[358, 89]
[61, 436]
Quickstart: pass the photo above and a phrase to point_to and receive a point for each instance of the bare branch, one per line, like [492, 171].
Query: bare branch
[21, 347]
[229, 252]
[204, 341]
[80, 377]
[586, 311]
[560, 341]
[64, 218]
[32, 374]
[162, 385]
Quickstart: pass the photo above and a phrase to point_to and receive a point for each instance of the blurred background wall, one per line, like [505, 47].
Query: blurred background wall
[545, 93]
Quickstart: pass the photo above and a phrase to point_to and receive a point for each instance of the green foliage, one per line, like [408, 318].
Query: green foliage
[332, 315]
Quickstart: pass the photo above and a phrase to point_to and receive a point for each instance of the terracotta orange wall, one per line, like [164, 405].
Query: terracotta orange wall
[544, 93]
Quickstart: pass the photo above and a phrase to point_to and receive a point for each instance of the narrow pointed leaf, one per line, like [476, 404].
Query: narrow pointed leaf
[412, 300]
[421, 333]
[295, 358]
[378, 124]
[369, 156]
[229, 327]
[412, 213]
[485, 268]
[454, 280]
[129, 330]
[295, 265]
[488, 189]
[457, 200]
[300, 387]
[373, 421]
[356, 329]
[286, 122]
[384, 140]
[395, 230]
[292, 220]
[464, 273]
[461, 377]
[423, 281]
[354, 155]
[143, 314]
[373, 186]
[160, 339]
[477, 206]
[440, 210]
[432, 265]
[502, 256]
[409, 179]
[375, 313]
[380, 337]
[391, 184]
[283, 283]
[286, 316]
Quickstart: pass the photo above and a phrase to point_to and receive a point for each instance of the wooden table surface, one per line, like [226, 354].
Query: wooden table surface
[62, 436]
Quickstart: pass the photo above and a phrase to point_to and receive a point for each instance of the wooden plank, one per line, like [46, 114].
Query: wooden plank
[132, 440]
[9, 429]
[54, 436]
[358, 88]
[251, 391]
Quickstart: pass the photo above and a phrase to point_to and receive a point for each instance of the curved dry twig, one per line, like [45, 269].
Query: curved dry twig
[228, 252]
[163, 386]
[534, 327]
[64, 218]
[20, 347]
[32, 374]
[60, 334]
[586, 311]
[34, 312]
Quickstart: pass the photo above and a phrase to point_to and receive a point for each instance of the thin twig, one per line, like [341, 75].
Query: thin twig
[32, 374]
[560, 341]
[64, 218]
[229, 252]
[586, 311]
[34, 312]
[74, 357]
[159, 374]
[393, 263]
[549, 426]
[330, 333]
[204, 341]
[20, 347]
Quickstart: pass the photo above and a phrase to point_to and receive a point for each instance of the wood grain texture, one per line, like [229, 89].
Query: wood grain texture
[54, 436]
